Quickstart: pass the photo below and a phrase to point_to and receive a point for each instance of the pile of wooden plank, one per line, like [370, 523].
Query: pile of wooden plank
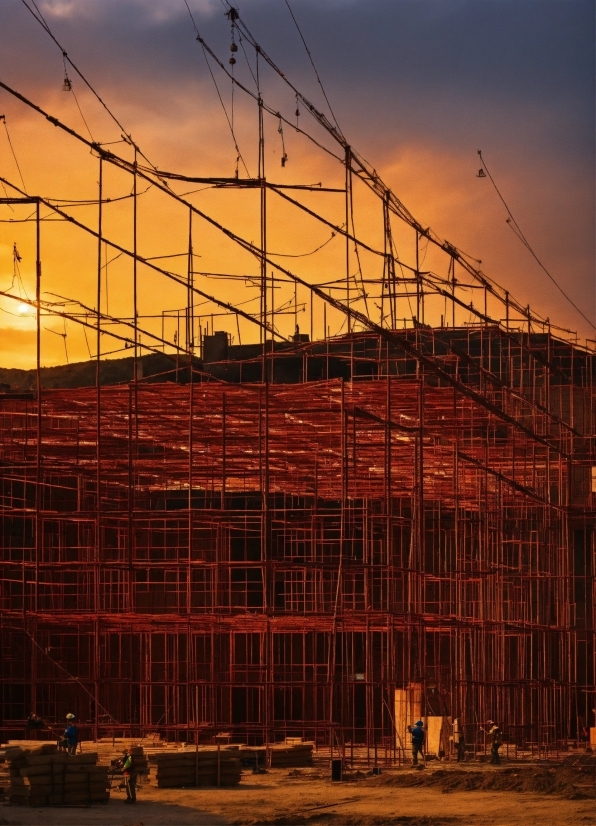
[42, 777]
[139, 760]
[285, 756]
[204, 767]
[278, 756]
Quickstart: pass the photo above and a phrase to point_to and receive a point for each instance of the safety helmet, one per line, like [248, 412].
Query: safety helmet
[70, 717]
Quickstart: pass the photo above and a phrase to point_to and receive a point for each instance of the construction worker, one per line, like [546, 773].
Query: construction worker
[71, 735]
[417, 735]
[130, 776]
[496, 741]
[34, 723]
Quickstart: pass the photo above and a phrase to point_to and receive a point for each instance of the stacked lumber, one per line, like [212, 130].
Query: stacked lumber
[42, 777]
[287, 756]
[139, 760]
[191, 768]
[280, 756]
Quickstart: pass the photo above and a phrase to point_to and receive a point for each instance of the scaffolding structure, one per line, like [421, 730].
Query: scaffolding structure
[277, 558]
[279, 536]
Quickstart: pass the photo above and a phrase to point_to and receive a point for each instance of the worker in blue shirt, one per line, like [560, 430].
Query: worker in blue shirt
[417, 735]
[71, 735]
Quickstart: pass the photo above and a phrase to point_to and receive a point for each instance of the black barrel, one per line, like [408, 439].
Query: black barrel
[336, 770]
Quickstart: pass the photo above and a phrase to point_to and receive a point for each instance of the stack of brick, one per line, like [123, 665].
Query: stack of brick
[43, 777]
[191, 768]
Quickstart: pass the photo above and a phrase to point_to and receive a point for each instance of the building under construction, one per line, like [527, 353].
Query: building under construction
[309, 535]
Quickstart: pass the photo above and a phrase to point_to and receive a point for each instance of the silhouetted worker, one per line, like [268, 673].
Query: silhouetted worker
[71, 735]
[34, 723]
[496, 741]
[130, 776]
[417, 735]
[459, 741]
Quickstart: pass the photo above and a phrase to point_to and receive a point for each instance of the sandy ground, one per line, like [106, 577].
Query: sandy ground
[284, 798]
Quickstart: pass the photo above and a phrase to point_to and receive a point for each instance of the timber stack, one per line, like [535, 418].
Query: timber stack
[280, 756]
[206, 767]
[290, 756]
[44, 777]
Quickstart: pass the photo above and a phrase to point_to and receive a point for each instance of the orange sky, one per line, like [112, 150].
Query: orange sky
[176, 117]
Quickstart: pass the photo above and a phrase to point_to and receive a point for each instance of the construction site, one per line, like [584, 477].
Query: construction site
[368, 499]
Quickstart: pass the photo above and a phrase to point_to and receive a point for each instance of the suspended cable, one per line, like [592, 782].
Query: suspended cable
[357, 251]
[43, 23]
[312, 63]
[267, 108]
[3, 118]
[223, 106]
[241, 41]
[518, 232]
[303, 254]
[67, 87]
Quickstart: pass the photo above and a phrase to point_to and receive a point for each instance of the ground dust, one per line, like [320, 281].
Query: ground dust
[440, 795]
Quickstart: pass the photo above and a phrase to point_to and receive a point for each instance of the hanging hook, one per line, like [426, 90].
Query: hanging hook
[67, 85]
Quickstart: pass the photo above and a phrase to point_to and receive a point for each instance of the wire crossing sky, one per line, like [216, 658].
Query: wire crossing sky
[417, 88]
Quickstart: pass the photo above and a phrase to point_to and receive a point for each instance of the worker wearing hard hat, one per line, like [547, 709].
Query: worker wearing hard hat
[71, 735]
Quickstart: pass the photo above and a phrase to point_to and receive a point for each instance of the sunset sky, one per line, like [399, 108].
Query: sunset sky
[417, 87]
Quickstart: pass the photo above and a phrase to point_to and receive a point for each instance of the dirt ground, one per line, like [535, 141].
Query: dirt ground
[440, 795]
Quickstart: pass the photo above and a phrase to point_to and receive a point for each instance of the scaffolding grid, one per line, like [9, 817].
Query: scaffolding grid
[277, 559]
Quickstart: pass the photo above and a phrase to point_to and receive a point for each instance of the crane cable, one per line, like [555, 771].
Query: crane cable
[3, 119]
[43, 23]
[223, 106]
[515, 227]
[312, 63]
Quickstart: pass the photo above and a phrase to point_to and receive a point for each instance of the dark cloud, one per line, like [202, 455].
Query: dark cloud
[416, 67]
[414, 79]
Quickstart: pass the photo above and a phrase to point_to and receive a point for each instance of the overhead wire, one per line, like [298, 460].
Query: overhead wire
[302, 254]
[370, 177]
[312, 63]
[65, 56]
[517, 231]
[68, 87]
[255, 97]
[223, 106]
[157, 173]
[14, 155]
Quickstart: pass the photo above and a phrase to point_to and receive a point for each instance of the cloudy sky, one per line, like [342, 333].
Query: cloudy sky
[417, 86]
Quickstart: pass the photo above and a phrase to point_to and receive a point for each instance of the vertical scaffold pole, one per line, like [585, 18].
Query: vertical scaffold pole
[420, 492]
[38, 485]
[190, 321]
[97, 554]
[190, 484]
[263, 205]
[418, 280]
[134, 275]
[348, 163]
